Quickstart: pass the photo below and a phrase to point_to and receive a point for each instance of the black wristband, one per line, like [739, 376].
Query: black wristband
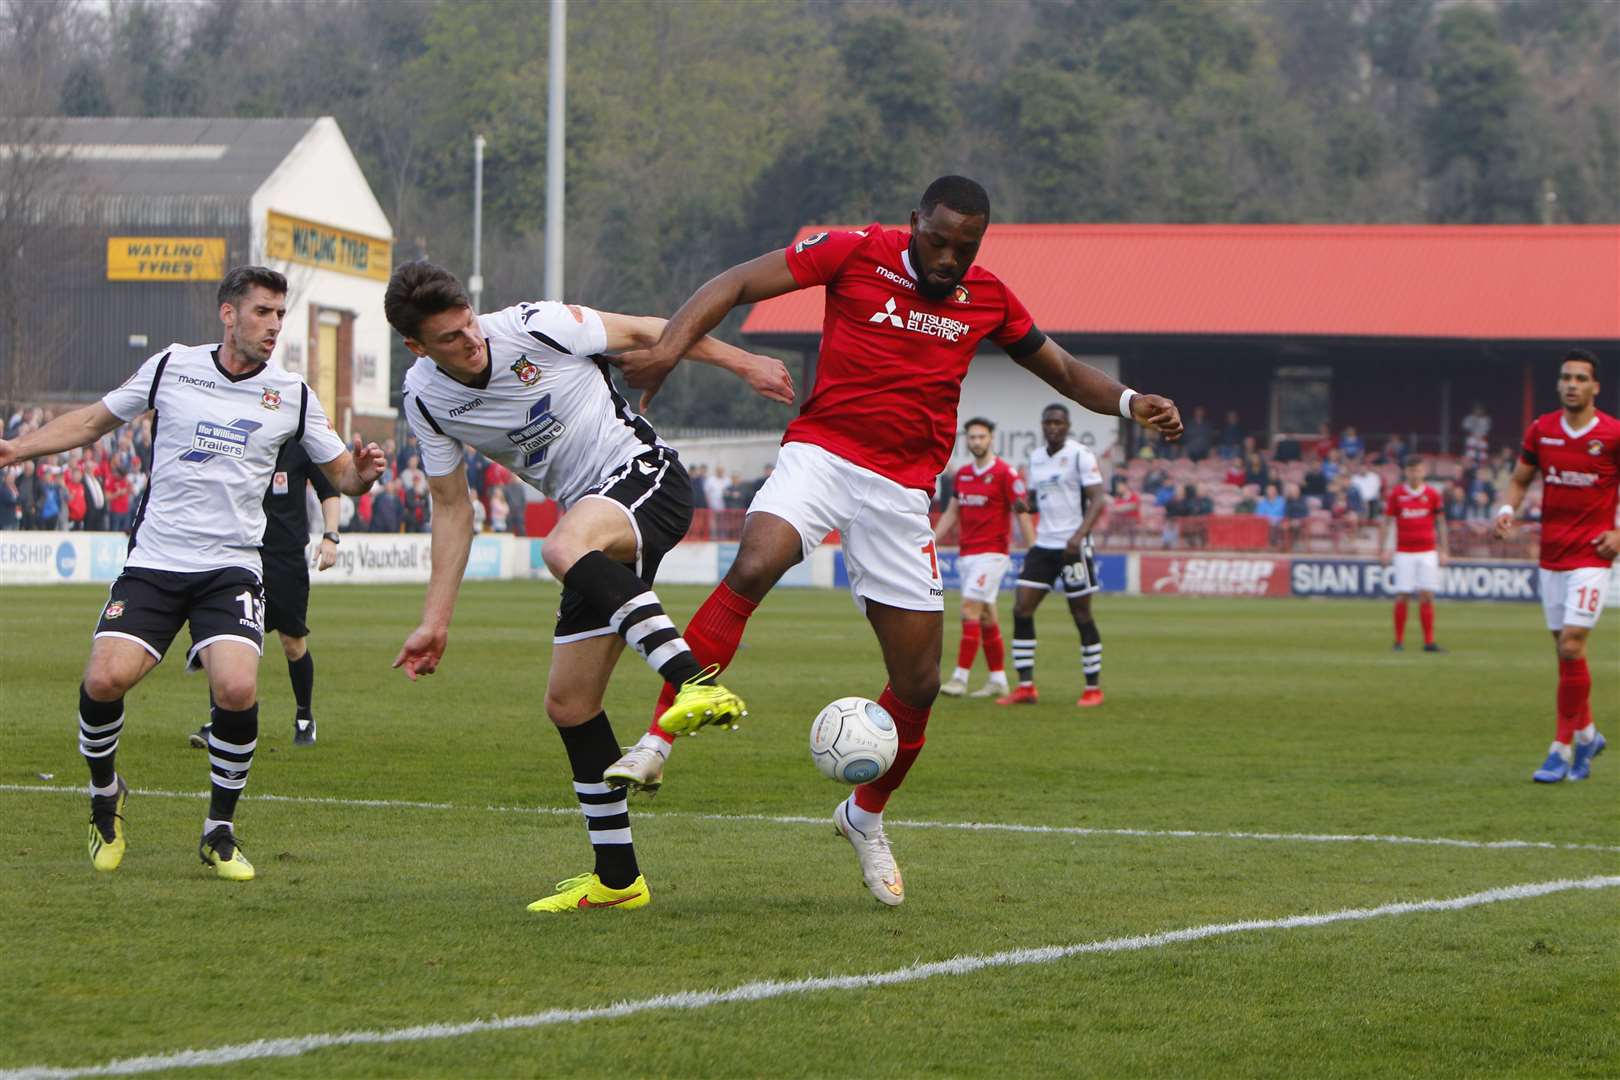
[332, 536]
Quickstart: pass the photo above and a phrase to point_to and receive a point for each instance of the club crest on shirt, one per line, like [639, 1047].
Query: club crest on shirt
[270, 399]
[1594, 447]
[810, 241]
[115, 609]
[961, 295]
[525, 369]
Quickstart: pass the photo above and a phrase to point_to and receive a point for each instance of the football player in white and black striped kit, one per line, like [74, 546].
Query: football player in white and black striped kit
[529, 386]
[1068, 489]
[220, 414]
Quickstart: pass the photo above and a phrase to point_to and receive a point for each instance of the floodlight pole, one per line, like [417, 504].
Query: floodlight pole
[475, 284]
[554, 150]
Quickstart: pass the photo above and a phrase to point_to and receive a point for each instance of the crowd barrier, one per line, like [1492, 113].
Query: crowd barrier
[42, 558]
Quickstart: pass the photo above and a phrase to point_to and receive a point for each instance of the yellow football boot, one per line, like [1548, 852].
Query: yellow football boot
[219, 850]
[587, 891]
[700, 703]
[107, 828]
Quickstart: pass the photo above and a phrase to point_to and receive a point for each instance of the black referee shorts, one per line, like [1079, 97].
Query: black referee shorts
[150, 606]
[286, 593]
[655, 492]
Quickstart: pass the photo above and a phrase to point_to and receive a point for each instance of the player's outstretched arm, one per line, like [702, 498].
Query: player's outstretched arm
[452, 539]
[81, 427]
[1518, 484]
[767, 375]
[757, 279]
[1098, 392]
[354, 475]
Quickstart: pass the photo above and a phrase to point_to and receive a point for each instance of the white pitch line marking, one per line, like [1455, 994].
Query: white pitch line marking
[961, 826]
[297, 1046]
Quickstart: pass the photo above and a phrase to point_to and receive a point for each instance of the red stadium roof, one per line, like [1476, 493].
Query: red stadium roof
[1489, 282]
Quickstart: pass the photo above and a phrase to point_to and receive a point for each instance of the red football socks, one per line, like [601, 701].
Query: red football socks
[1400, 621]
[1426, 616]
[1574, 698]
[713, 636]
[970, 644]
[995, 653]
[911, 723]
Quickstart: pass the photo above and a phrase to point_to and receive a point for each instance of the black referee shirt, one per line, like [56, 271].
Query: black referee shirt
[286, 518]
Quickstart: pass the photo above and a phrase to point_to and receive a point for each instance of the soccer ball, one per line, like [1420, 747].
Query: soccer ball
[854, 740]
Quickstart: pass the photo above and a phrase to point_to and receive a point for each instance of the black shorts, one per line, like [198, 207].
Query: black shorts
[1045, 567]
[656, 493]
[149, 606]
[286, 594]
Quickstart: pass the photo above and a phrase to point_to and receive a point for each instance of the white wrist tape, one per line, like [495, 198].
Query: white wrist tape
[1125, 403]
[1505, 511]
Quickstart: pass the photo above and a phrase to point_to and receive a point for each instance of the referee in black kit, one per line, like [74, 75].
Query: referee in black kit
[286, 574]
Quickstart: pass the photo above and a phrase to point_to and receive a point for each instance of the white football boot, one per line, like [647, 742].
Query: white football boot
[878, 867]
[641, 768]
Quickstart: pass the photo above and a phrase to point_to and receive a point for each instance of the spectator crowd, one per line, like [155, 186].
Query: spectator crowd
[1332, 483]
[98, 488]
[1166, 494]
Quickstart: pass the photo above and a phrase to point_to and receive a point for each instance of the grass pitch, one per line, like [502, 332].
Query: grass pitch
[1258, 717]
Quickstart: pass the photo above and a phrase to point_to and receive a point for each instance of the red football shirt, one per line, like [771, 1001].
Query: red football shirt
[1580, 476]
[984, 506]
[892, 361]
[1414, 513]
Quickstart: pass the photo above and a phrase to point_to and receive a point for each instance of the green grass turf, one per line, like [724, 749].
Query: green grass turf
[1276, 716]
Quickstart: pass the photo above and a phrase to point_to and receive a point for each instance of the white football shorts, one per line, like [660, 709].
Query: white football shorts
[1417, 571]
[1574, 597]
[981, 574]
[888, 541]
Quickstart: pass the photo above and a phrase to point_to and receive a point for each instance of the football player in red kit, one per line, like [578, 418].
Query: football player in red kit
[1417, 517]
[906, 311]
[986, 494]
[1576, 450]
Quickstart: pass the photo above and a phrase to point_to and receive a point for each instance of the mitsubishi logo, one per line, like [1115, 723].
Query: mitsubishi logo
[887, 315]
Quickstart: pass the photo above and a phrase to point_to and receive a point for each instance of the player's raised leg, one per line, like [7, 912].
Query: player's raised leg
[574, 688]
[116, 664]
[588, 552]
[233, 674]
[769, 547]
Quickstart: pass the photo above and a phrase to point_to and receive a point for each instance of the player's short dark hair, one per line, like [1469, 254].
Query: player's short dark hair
[240, 279]
[957, 193]
[979, 421]
[418, 290]
[1585, 356]
[1059, 406]
[1412, 459]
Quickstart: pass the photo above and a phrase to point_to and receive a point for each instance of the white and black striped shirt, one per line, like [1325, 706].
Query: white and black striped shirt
[215, 437]
[547, 409]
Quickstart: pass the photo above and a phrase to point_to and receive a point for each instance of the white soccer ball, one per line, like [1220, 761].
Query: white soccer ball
[854, 740]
